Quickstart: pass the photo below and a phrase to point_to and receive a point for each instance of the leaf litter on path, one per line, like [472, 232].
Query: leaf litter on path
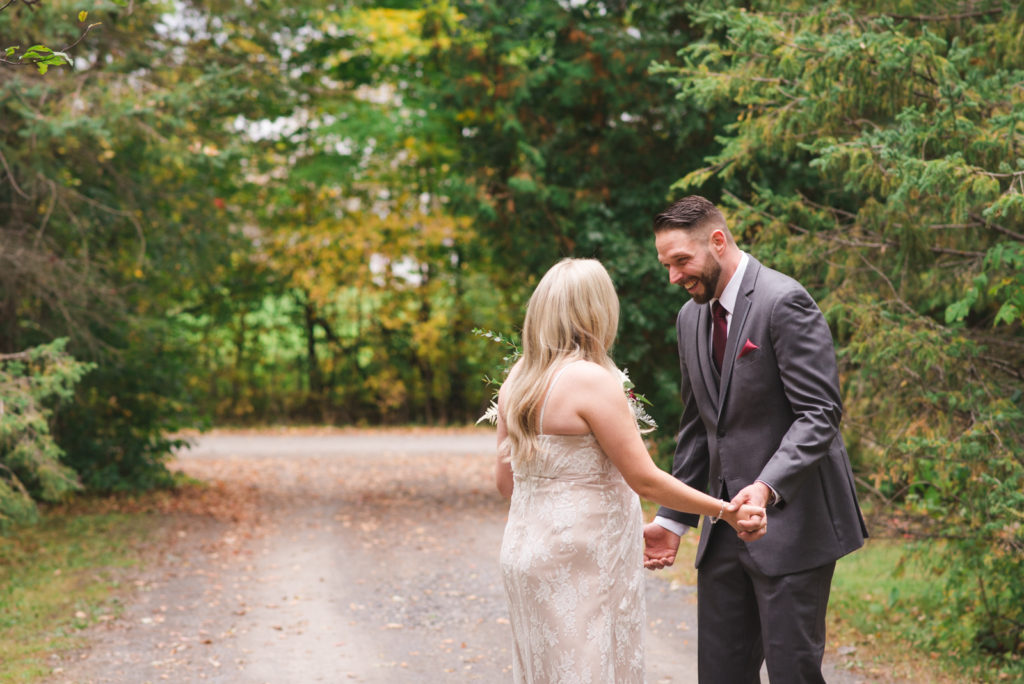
[326, 556]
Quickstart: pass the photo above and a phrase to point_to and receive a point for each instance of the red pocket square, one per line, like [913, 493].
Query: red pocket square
[748, 347]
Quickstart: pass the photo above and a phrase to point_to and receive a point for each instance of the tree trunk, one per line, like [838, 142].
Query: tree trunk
[314, 373]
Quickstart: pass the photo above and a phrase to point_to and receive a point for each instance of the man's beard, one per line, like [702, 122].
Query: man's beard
[708, 278]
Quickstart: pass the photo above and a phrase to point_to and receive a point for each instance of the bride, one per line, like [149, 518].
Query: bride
[572, 460]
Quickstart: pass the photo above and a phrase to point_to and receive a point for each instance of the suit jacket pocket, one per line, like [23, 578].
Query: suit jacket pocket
[752, 356]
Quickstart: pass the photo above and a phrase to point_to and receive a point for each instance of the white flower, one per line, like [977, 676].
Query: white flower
[490, 415]
[636, 404]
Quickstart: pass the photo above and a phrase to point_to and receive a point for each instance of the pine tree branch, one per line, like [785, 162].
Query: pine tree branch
[881, 244]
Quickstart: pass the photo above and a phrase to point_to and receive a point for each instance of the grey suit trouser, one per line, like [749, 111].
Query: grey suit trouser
[746, 617]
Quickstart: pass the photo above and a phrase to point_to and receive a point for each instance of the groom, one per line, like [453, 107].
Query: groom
[760, 424]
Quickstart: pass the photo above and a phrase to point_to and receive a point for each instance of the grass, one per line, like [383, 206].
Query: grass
[883, 604]
[65, 573]
[58, 577]
[879, 615]
[875, 610]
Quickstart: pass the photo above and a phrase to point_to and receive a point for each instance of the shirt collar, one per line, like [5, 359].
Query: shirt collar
[732, 288]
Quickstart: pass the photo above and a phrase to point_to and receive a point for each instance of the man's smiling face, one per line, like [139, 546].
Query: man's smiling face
[690, 262]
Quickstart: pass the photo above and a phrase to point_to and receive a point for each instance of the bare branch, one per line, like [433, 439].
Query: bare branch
[792, 226]
[957, 252]
[30, 3]
[896, 295]
[49, 211]
[10, 174]
[1013, 174]
[88, 28]
[954, 226]
[832, 210]
[118, 212]
[945, 17]
[871, 488]
[998, 228]
[1003, 365]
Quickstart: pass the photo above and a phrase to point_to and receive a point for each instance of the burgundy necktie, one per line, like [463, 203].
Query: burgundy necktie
[719, 333]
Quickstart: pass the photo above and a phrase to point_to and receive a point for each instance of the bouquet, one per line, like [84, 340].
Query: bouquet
[636, 401]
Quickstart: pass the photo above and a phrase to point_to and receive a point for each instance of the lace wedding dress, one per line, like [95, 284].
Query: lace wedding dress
[572, 561]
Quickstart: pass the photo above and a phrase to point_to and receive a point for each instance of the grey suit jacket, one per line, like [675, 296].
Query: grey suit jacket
[772, 416]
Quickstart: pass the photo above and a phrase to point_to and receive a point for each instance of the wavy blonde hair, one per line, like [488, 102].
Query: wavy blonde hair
[573, 315]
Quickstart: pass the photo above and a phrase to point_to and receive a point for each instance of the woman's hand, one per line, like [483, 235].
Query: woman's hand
[660, 546]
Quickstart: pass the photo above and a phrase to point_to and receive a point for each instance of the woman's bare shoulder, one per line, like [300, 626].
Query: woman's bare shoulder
[591, 375]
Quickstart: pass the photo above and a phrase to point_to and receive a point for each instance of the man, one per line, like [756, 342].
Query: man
[760, 424]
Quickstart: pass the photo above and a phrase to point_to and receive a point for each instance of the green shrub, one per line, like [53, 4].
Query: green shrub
[32, 382]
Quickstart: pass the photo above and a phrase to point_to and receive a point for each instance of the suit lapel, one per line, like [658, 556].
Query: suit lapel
[706, 365]
[737, 328]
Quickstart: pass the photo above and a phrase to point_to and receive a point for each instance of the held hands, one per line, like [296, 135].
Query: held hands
[749, 521]
[745, 514]
[752, 496]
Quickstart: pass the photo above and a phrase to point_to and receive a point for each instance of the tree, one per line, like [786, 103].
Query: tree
[113, 213]
[876, 155]
[560, 144]
[362, 259]
[34, 380]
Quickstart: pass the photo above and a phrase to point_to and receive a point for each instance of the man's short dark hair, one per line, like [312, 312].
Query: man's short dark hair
[689, 213]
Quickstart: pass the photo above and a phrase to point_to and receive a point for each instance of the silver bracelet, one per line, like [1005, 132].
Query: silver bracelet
[716, 518]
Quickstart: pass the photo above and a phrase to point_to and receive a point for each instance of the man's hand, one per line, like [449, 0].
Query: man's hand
[755, 494]
[660, 546]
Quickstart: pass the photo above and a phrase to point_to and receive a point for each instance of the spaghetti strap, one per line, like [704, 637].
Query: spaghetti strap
[548, 396]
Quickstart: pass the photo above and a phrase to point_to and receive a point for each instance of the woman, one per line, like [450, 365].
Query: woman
[572, 460]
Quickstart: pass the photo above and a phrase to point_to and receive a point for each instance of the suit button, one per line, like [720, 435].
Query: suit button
[721, 432]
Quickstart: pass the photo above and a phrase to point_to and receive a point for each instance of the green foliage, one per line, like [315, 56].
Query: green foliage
[31, 384]
[351, 304]
[563, 145]
[41, 56]
[511, 343]
[120, 440]
[59, 577]
[888, 596]
[115, 181]
[513, 350]
[1000, 281]
[875, 154]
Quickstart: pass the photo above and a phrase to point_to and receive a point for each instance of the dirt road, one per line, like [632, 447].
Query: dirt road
[356, 557]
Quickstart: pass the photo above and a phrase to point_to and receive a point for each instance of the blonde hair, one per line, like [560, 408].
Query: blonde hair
[573, 315]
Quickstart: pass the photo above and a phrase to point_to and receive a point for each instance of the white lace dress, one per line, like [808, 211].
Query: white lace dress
[572, 561]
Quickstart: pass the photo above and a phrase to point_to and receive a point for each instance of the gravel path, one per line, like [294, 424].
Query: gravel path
[359, 557]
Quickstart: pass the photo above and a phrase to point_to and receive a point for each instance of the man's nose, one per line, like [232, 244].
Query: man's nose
[675, 276]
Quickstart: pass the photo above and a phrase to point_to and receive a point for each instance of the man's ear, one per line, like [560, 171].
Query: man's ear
[718, 241]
